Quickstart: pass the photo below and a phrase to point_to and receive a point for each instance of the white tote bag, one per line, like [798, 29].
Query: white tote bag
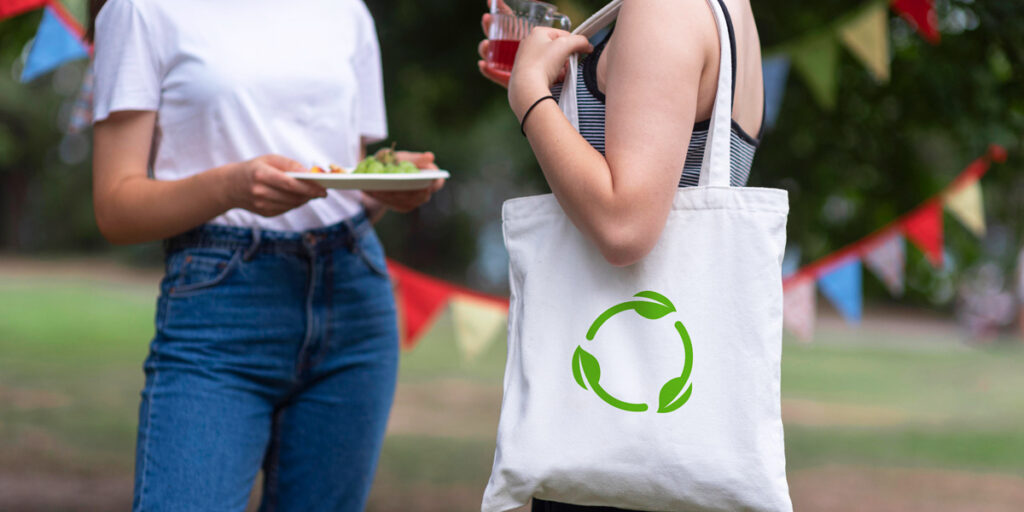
[653, 386]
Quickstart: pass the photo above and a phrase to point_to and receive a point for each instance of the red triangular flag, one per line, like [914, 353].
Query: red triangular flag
[921, 15]
[420, 299]
[10, 8]
[924, 228]
[997, 153]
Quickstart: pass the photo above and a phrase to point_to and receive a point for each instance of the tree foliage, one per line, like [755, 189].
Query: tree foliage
[881, 151]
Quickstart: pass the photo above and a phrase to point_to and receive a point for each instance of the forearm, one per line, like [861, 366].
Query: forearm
[139, 209]
[579, 176]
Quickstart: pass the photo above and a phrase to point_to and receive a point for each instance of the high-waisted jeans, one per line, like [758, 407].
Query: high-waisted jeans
[273, 350]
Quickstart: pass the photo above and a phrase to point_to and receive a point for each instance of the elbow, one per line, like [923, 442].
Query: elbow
[623, 244]
[112, 230]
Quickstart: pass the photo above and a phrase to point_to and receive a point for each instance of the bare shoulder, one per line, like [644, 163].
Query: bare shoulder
[672, 26]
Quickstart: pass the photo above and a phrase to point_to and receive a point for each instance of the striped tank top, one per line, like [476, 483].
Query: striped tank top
[591, 105]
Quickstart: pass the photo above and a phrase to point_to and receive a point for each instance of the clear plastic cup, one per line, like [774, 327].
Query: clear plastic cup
[511, 21]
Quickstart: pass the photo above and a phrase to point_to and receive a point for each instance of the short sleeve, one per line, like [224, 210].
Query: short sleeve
[372, 116]
[127, 67]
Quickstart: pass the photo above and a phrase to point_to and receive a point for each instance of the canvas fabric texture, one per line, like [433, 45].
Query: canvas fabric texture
[653, 386]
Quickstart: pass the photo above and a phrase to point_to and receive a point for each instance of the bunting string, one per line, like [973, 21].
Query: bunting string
[477, 318]
[839, 275]
[60, 38]
[864, 32]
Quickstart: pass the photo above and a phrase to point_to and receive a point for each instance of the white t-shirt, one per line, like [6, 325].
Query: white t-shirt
[231, 80]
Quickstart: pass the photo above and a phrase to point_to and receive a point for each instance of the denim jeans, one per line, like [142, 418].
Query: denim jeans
[275, 350]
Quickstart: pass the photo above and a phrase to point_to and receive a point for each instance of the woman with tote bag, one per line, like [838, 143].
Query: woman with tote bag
[645, 325]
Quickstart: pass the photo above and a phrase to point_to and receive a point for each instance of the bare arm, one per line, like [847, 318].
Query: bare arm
[620, 201]
[131, 208]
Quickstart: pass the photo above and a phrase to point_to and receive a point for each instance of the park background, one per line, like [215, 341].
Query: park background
[909, 411]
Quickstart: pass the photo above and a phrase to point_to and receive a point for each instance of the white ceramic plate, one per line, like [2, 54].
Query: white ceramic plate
[349, 181]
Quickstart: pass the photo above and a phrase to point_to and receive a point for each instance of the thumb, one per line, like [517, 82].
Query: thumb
[574, 44]
[284, 163]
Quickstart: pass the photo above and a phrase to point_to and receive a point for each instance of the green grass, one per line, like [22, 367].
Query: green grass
[84, 341]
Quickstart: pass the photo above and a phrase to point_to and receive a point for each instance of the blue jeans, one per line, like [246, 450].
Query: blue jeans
[275, 350]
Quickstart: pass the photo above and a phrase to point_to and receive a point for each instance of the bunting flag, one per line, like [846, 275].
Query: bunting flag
[867, 37]
[775, 70]
[81, 111]
[790, 261]
[815, 55]
[839, 275]
[58, 40]
[921, 15]
[800, 310]
[9, 8]
[965, 203]
[816, 58]
[478, 318]
[841, 284]
[924, 228]
[888, 259]
[476, 321]
[420, 298]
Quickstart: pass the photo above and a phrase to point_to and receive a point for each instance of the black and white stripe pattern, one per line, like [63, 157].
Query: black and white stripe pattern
[592, 122]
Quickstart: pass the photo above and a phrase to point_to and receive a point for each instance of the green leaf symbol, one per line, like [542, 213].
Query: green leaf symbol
[649, 310]
[660, 299]
[577, 367]
[669, 399]
[591, 368]
[586, 369]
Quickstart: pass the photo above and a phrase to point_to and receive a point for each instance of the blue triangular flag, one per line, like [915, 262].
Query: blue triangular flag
[841, 284]
[775, 70]
[791, 261]
[54, 45]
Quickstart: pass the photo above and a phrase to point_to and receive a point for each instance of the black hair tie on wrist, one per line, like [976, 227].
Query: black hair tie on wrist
[522, 124]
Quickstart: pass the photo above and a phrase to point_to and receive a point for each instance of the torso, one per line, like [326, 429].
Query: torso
[242, 79]
[748, 96]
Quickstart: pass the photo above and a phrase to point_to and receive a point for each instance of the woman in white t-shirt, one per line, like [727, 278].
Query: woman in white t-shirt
[276, 340]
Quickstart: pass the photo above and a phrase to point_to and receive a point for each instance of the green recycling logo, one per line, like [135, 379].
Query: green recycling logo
[587, 370]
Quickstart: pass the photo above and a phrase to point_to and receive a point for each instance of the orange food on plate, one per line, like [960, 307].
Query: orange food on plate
[331, 169]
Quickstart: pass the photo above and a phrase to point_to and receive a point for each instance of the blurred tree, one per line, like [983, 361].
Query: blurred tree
[883, 149]
[45, 199]
[880, 152]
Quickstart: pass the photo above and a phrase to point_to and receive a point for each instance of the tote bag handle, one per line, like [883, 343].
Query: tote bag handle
[715, 169]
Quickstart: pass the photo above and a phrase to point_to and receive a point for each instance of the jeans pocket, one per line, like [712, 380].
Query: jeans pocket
[369, 249]
[201, 268]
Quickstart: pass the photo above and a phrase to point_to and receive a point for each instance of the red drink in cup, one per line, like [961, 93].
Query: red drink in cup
[503, 53]
[511, 21]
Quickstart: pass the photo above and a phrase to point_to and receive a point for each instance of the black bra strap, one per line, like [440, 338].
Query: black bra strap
[590, 66]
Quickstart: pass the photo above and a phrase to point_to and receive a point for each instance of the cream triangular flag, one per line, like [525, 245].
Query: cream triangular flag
[965, 203]
[867, 37]
[476, 322]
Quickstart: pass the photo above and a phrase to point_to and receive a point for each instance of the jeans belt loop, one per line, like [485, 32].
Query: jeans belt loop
[257, 236]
